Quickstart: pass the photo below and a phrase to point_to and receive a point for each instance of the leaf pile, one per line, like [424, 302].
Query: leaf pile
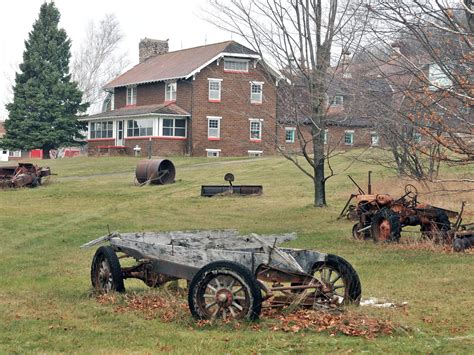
[347, 323]
[173, 307]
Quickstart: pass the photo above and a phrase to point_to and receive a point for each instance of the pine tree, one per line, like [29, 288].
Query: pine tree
[43, 114]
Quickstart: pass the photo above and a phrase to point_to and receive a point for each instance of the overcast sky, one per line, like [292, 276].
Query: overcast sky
[178, 20]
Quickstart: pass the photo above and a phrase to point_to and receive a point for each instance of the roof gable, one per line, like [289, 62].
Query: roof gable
[179, 64]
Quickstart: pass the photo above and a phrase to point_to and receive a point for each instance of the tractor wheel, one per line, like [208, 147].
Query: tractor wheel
[356, 234]
[224, 290]
[438, 228]
[342, 279]
[386, 226]
[106, 273]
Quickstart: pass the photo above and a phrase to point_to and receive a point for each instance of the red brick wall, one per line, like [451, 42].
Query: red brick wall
[120, 97]
[159, 146]
[150, 94]
[235, 109]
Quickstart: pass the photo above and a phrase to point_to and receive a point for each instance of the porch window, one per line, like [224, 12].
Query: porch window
[100, 130]
[174, 127]
[140, 128]
[170, 92]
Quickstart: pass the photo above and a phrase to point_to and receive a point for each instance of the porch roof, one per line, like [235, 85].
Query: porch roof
[134, 111]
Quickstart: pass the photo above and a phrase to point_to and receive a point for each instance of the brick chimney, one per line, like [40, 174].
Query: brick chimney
[148, 48]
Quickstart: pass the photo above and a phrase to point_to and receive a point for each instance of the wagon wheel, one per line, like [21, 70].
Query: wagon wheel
[106, 273]
[355, 232]
[341, 282]
[224, 290]
[386, 226]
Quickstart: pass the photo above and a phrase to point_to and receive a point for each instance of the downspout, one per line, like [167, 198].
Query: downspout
[190, 128]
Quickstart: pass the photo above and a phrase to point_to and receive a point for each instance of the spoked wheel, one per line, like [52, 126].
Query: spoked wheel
[106, 273]
[224, 290]
[386, 226]
[341, 282]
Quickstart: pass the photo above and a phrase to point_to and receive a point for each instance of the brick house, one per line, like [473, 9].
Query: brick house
[212, 100]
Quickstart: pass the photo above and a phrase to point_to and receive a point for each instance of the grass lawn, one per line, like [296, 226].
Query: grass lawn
[45, 295]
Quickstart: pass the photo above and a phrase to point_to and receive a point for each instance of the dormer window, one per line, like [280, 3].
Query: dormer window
[170, 92]
[131, 95]
[337, 100]
[236, 65]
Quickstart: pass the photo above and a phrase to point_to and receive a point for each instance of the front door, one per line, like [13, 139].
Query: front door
[119, 134]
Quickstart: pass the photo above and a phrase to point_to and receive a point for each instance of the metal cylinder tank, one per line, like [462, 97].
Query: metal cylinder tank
[155, 171]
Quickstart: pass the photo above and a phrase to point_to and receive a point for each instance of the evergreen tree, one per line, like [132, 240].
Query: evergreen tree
[43, 114]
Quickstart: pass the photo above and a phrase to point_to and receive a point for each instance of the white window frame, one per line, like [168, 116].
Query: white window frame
[334, 100]
[290, 129]
[213, 99]
[213, 153]
[132, 97]
[377, 143]
[326, 136]
[236, 60]
[162, 127]
[214, 118]
[126, 128]
[255, 153]
[255, 120]
[256, 98]
[108, 132]
[169, 97]
[351, 132]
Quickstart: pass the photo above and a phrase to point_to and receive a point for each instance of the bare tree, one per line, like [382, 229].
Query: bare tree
[437, 99]
[99, 59]
[300, 37]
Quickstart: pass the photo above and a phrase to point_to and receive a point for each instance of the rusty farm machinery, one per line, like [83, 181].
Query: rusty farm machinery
[381, 217]
[22, 175]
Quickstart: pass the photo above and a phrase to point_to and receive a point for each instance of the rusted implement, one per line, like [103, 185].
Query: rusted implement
[244, 190]
[22, 175]
[231, 276]
[381, 217]
[155, 172]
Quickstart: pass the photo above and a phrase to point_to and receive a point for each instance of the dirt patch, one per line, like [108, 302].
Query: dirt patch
[173, 307]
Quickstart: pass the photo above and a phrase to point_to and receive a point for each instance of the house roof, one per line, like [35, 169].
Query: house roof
[132, 111]
[180, 64]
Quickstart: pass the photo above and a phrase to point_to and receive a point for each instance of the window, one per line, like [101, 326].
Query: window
[255, 153]
[131, 95]
[290, 134]
[213, 153]
[374, 138]
[213, 127]
[101, 130]
[140, 128]
[255, 130]
[15, 153]
[174, 127]
[438, 78]
[170, 92]
[256, 89]
[325, 138]
[236, 65]
[337, 100]
[349, 137]
[215, 90]
[4, 152]
[417, 137]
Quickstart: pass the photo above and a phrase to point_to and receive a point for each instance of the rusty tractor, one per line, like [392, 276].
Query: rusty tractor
[381, 217]
[23, 175]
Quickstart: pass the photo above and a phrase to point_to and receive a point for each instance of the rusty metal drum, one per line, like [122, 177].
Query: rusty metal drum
[155, 171]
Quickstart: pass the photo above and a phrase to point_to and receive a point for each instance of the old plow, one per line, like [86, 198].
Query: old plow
[230, 276]
[22, 175]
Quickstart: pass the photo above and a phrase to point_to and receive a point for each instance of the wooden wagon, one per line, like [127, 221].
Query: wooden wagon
[231, 276]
